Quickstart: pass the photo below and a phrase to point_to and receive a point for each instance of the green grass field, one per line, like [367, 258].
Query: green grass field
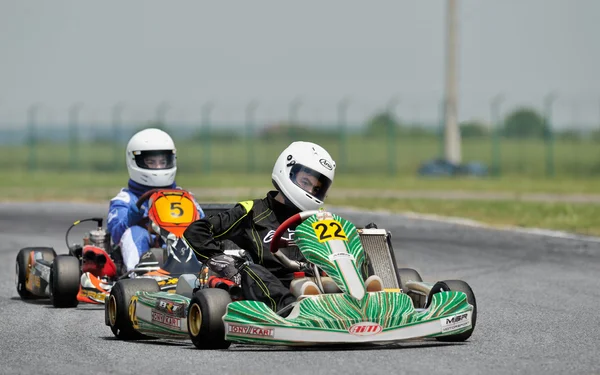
[231, 187]
[212, 167]
[354, 155]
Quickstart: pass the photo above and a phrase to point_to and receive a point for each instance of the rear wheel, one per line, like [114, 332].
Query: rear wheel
[120, 310]
[205, 318]
[22, 267]
[408, 274]
[457, 286]
[65, 277]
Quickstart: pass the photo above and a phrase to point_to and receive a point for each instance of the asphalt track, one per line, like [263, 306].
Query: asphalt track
[538, 300]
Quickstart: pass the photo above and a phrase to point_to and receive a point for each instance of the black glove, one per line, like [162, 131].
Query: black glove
[224, 265]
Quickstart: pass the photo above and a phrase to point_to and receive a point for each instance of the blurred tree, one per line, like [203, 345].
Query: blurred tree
[474, 129]
[524, 122]
[380, 124]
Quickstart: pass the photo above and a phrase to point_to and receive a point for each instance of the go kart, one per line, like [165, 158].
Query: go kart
[88, 272]
[349, 307]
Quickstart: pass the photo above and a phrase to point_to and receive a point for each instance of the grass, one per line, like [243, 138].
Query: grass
[230, 187]
[354, 155]
[575, 218]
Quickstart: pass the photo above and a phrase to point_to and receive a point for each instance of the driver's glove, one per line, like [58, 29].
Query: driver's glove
[224, 265]
[134, 215]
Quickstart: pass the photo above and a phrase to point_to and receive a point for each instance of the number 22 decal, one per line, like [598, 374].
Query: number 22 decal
[327, 230]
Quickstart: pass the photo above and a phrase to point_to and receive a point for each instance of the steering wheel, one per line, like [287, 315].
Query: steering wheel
[141, 200]
[294, 220]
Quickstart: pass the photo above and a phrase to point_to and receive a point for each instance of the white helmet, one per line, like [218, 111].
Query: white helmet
[303, 173]
[151, 158]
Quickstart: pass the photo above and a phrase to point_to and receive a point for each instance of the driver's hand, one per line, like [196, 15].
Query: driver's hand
[134, 215]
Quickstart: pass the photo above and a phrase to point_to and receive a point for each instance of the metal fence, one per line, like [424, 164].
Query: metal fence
[251, 144]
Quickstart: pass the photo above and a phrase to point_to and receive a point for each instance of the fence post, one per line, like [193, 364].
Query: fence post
[117, 111]
[32, 113]
[343, 131]
[161, 115]
[74, 135]
[293, 117]
[206, 137]
[548, 102]
[496, 131]
[250, 109]
[392, 133]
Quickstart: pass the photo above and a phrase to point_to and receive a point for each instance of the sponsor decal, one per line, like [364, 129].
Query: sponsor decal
[171, 281]
[456, 322]
[326, 163]
[166, 320]
[112, 215]
[93, 294]
[269, 237]
[340, 256]
[365, 329]
[132, 314]
[170, 307]
[250, 330]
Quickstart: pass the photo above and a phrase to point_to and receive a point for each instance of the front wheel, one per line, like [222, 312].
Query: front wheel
[120, 310]
[65, 277]
[457, 286]
[205, 318]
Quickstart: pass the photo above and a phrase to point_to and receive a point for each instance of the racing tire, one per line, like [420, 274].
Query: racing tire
[65, 279]
[22, 265]
[457, 286]
[205, 318]
[119, 308]
[407, 274]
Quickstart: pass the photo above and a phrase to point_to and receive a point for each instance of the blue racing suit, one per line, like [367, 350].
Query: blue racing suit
[134, 240]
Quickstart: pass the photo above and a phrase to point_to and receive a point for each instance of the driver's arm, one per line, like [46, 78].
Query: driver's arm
[116, 221]
[204, 236]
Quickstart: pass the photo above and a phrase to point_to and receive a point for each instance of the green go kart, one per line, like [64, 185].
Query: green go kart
[348, 305]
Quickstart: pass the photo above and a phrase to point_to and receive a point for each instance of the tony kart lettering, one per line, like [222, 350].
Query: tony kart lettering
[166, 320]
[250, 330]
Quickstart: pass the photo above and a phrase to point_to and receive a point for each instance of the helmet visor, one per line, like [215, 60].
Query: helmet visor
[160, 159]
[311, 181]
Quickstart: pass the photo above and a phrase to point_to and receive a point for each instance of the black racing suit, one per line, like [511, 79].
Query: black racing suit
[250, 225]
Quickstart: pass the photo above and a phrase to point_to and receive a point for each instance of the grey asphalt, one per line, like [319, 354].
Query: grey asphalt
[538, 300]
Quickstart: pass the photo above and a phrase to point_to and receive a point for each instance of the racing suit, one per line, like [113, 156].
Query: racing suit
[134, 240]
[250, 225]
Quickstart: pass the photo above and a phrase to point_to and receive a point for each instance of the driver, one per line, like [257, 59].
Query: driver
[302, 175]
[152, 163]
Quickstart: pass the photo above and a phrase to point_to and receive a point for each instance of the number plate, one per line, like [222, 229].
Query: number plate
[327, 230]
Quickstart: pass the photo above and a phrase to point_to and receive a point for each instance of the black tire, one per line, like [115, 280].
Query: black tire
[117, 307]
[407, 274]
[48, 254]
[65, 277]
[457, 286]
[205, 318]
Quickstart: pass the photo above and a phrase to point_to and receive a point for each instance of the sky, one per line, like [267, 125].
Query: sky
[181, 55]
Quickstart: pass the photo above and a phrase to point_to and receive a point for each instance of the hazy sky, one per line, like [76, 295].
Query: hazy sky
[144, 52]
